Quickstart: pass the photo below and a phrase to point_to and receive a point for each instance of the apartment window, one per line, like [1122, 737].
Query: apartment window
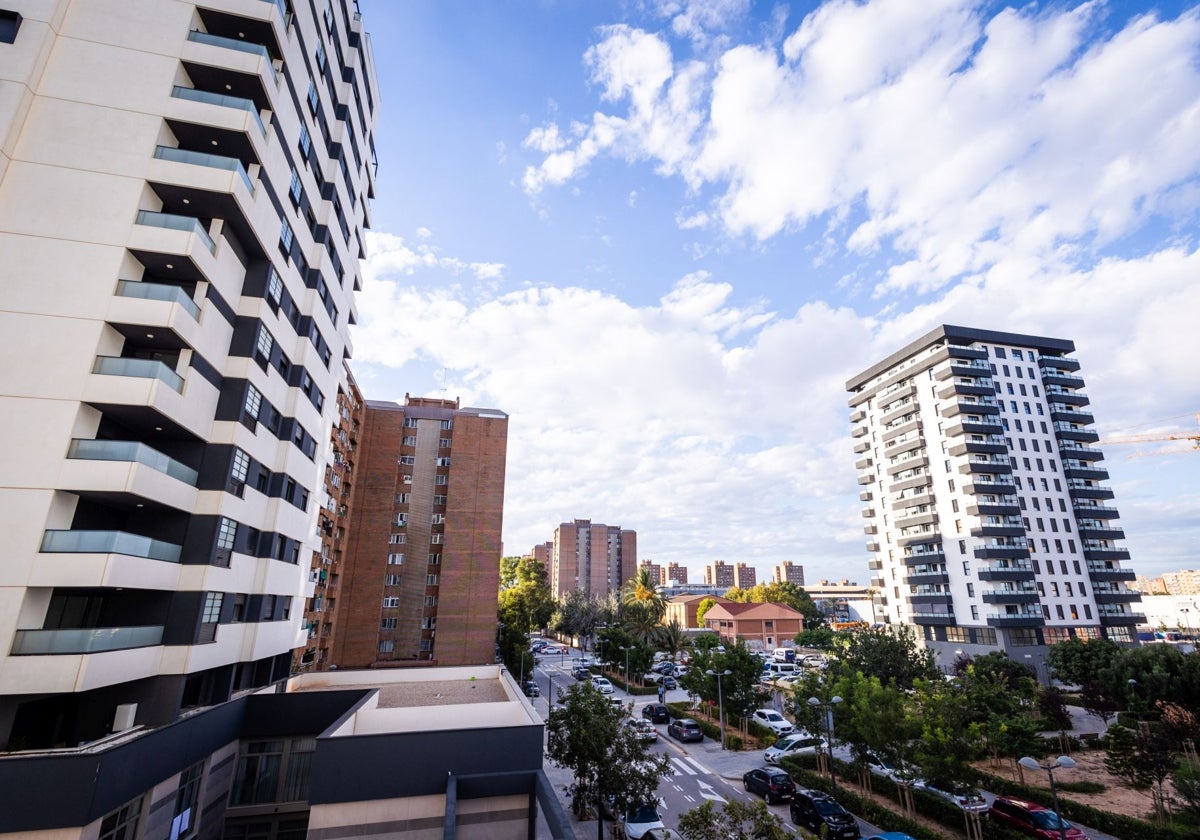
[398, 539]
[226, 533]
[264, 343]
[387, 646]
[1039, 409]
[1087, 613]
[285, 237]
[239, 608]
[388, 624]
[295, 189]
[122, 823]
[305, 143]
[447, 425]
[1058, 610]
[428, 623]
[314, 99]
[426, 645]
[240, 467]
[1067, 586]
[401, 519]
[443, 462]
[1045, 547]
[410, 422]
[436, 539]
[1071, 546]
[970, 590]
[406, 479]
[1054, 589]
[435, 559]
[253, 404]
[974, 613]
[431, 600]
[320, 56]
[999, 351]
[1013, 404]
[1054, 525]
[396, 559]
[187, 797]
[966, 571]
[444, 443]
[1078, 571]
[408, 460]
[440, 480]
[391, 601]
[391, 580]
[212, 607]
[409, 440]
[962, 547]
[439, 500]
[274, 286]
[1008, 387]
[403, 498]
[431, 580]
[437, 519]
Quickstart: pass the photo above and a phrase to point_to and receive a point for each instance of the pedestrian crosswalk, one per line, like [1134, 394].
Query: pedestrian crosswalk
[688, 766]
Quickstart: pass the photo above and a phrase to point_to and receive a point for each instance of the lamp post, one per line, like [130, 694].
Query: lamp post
[627, 691]
[1064, 762]
[720, 699]
[1187, 620]
[827, 712]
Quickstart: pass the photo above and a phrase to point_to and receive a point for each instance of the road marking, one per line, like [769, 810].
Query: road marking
[706, 790]
[688, 798]
[678, 788]
[699, 766]
[683, 768]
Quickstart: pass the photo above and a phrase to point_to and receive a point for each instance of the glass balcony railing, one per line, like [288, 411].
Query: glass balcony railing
[144, 368]
[181, 92]
[128, 450]
[203, 159]
[280, 5]
[158, 291]
[174, 222]
[110, 542]
[233, 44]
[85, 639]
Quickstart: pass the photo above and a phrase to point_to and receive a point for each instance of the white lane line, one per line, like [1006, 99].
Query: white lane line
[699, 766]
[678, 788]
[688, 798]
[683, 768]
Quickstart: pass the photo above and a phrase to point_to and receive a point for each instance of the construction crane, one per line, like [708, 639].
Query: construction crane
[1194, 437]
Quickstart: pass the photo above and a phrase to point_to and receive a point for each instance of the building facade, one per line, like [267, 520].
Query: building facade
[986, 504]
[593, 557]
[1183, 582]
[183, 193]
[789, 572]
[657, 573]
[744, 576]
[719, 574]
[422, 565]
[677, 574]
[759, 626]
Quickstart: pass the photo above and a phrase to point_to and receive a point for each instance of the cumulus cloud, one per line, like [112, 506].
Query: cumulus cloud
[953, 136]
[390, 254]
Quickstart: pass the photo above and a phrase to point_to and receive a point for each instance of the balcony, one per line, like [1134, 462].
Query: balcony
[997, 529]
[171, 221]
[906, 463]
[141, 368]
[863, 463]
[939, 619]
[871, 530]
[1109, 596]
[1080, 489]
[158, 291]
[990, 484]
[921, 538]
[980, 447]
[228, 164]
[967, 405]
[1080, 451]
[1062, 413]
[866, 496]
[220, 100]
[977, 464]
[1058, 362]
[902, 444]
[963, 367]
[859, 431]
[234, 44]
[973, 387]
[868, 513]
[134, 452]
[996, 508]
[1012, 571]
[1055, 377]
[927, 579]
[1084, 470]
[924, 558]
[1118, 618]
[1018, 619]
[875, 565]
[1065, 396]
[84, 640]
[1001, 552]
[862, 446]
[858, 415]
[1069, 431]
[1091, 510]
[109, 542]
[1105, 555]
[866, 478]
[1010, 596]
[1099, 531]
[975, 426]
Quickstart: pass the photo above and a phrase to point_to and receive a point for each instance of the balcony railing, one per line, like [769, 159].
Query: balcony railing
[158, 291]
[110, 542]
[143, 368]
[85, 640]
[181, 92]
[232, 44]
[174, 222]
[128, 450]
[229, 164]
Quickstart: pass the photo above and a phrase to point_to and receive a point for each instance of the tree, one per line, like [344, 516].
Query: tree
[1077, 661]
[1119, 756]
[702, 609]
[1096, 701]
[1015, 738]
[893, 657]
[587, 736]
[641, 591]
[578, 614]
[739, 690]
[949, 738]
[735, 821]
[674, 638]
[641, 621]
[1052, 706]
[821, 638]
[526, 602]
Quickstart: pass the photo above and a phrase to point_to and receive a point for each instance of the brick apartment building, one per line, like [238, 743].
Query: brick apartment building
[423, 553]
[789, 572]
[719, 574]
[593, 557]
[744, 576]
[657, 572]
[677, 573]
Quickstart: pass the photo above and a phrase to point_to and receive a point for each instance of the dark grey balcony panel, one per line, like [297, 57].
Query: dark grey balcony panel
[974, 467]
[997, 552]
[1064, 432]
[924, 559]
[934, 619]
[998, 531]
[1061, 380]
[1122, 619]
[1081, 491]
[1099, 571]
[1060, 362]
[1089, 473]
[1065, 397]
[965, 388]
[1012, 575]
[1068, 415]
[920, 539]
[937, 600]
[983, 426]
[1016, 621]
[1080, 453]
[1010, 597]
[991, 509]
[927, 579]
[1097, 512]
[1103, 597]
[1101, 533]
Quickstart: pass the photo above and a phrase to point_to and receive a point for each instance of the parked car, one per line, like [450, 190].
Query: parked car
[531, 689]
[964, 797]
[643, 728]
[771, 783]
[653, 677]
[602, 684]
[581, 674]
[640, 819]
[656, 713]
[586, 662]
[668, 682]
[821, 814]
[771, 719]
[685, 729]
[1033, 819]
[798, 743]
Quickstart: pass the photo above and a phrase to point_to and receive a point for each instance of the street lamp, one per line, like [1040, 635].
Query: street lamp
[626, 649]
[720, 699]
[827, 710]
[1064, 762]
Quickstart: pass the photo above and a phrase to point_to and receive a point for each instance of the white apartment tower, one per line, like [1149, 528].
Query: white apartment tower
[986, 506]
[183, 193]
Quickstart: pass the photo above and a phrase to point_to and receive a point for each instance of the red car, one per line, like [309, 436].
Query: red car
[1032, 819]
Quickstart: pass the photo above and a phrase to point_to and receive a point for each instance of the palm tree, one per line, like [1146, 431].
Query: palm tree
[642, 590]
[674, 638]
[641, 623]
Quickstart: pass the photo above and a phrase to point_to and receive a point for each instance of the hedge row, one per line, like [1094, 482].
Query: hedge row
[1117, 824]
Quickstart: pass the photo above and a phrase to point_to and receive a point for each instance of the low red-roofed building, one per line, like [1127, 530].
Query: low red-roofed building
[758, 625]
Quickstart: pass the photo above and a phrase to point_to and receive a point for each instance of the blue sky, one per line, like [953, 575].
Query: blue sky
[661, 236]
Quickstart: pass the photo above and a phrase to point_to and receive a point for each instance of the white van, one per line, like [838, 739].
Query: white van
[781, 669]
[784, 655]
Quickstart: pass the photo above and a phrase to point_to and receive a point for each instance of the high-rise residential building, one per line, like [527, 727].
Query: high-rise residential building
[677, 573]
[789, 572]
[1183, 582]
[422, 564]
[744, 576]
[658, 573]
[183, 193]
[719, 573]
[986, 503]
[334, 517]
[1150, 586]
[543, 553]
[593, 557]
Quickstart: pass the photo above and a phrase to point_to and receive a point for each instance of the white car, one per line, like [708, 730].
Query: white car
[602, 685]
[776, 722]
[798, 743]
[640, 819]
[966, 798]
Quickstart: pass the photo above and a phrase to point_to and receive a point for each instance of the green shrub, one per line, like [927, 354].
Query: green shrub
[734, 742]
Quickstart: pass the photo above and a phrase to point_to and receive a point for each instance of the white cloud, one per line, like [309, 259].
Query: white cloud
[390, 254]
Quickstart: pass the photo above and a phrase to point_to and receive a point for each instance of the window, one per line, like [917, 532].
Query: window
[1016, 354]
[439, 500]
[443, 462]
[387, 646]
[122, 823]
[401, 519]
[396, 559]
[314, 99]
[999, 351]
[409, 440]
[444, 443]
[431, 600]
[431, 580]
[1059, 611]
[305, 143]
[974, 613]
[239, 608]
[435, 559]
[437, 519]
[253, 402]
[970, 590]
[391, 601]
[410, 422]
[398, 539]
[264, 343]
[440, 479]
[226, 533]
[285, 237]
[274, 286]
[320, 56]
[408, 460]
[428, 623]
[447, 425]
[295, 190]
[388, 624]
[391, 580]
[212, 607]
[436, 539]
[240, 467]
[187, 796]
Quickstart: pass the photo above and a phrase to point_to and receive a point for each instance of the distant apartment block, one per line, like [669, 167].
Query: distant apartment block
[677, 573]
[987, 507]
[657, 573]
[719, 574]
[789, 572]
[744, 576]
[543, 554]
[422, 565]
[1183, 582]
[593, 557]
[1150, 586]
